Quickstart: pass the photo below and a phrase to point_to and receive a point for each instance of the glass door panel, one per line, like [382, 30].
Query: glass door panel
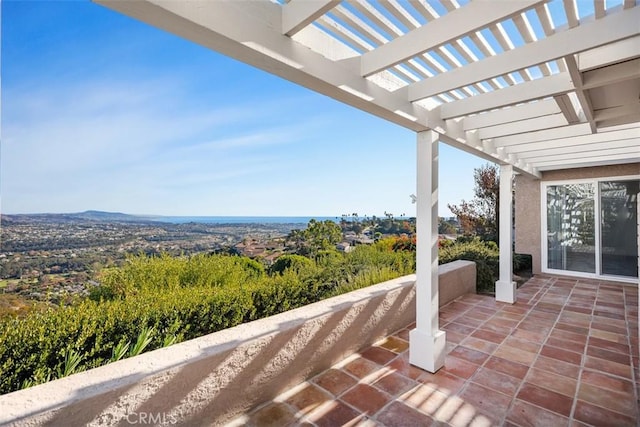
[618, 204]
[571, 227]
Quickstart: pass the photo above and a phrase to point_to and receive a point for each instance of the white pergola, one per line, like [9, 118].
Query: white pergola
[532, 85]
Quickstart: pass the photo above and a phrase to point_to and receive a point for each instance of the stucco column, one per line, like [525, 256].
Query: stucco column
[427, 341]
[505, 287]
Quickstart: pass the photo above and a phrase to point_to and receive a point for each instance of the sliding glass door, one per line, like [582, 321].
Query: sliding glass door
[618, 201]
[570, 227]
[591, 227]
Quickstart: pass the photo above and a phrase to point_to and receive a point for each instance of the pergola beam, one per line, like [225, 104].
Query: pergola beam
[601, 160]
[447, 28]
[525, 154]
[523, 126]
[583, 96]
[584, 37]
[511, 114]
[524, 92]
[297, 14]
[581, 138]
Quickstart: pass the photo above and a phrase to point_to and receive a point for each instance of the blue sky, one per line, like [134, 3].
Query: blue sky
[103, 112]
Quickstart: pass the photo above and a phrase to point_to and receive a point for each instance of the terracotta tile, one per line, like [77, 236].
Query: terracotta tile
[394, 344]
[580, 330]
[469, 355]
[526, 415]
[507, 315]
[608, 366]
[378, 355]
[442, 381]
[578, 309]
[334, 414]
[459, 368]
[553, 382]
[602, 313]
[334, 381]
[455, 337]
[605, 381]
[516, 370]
[516, 308]
[569, 336]
[529, 346]
[536, 337]
[565, 344]
[611, 356]
[469, 321]
[402, 366]
[515, 354]
[594, 415]
[308, 398]
[403, 334]
[578, 320]
[546, 399]
[490, 402]
[365, 398]
[496, 381]
[480, 345]
[360, 367]
[489, 336]
[456, 327]
[499, 325]
[552, 308]
[609, 345]
[603, 326]
[560, 354]
[394, 383]
[623, 403]
[425, 398]
[479, 313]
[273, 415]
[400, 415]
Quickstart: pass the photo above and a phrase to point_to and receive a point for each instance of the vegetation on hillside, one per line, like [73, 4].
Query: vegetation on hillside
[153, 301]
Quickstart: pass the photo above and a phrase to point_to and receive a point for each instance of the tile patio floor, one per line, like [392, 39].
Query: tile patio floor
[563, 355]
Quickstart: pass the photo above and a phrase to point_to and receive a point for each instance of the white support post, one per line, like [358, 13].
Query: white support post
[505, 286]
[427, 341]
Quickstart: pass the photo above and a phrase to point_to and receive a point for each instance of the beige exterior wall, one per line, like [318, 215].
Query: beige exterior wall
[527, 202]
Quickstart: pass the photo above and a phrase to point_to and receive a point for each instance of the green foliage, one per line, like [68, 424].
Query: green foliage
[485, 254]
[156, 301]
[72, 360]
[293, 262]
[119, 351]
[143, 340]
[322, 235]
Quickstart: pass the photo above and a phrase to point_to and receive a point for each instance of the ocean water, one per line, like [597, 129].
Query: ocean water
[243, 219]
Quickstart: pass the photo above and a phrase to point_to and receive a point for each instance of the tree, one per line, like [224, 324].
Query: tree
[481, 215]
[322, 235]
[446, 227]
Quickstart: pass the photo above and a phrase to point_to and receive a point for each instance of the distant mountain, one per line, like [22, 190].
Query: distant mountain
[89, 216]
[108, 216]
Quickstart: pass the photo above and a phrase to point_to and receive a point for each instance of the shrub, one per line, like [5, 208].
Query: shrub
[296, 263]
[486, 256]
[153, 301]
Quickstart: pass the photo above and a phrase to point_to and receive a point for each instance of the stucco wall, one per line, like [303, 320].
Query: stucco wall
[527, 203]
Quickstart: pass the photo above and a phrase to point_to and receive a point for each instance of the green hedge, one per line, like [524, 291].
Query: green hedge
[175, 299]
[486, 256]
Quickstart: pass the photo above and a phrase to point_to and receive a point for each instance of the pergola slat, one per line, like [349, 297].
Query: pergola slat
[587, 36]
[445, 29]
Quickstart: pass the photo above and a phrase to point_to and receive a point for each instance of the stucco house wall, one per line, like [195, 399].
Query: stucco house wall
[527, 204]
